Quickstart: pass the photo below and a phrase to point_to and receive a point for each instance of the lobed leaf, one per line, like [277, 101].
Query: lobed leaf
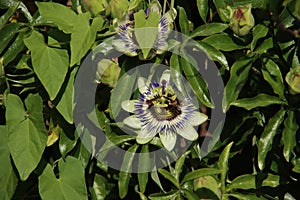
[44, 58]
[70, 184]
[27, 133]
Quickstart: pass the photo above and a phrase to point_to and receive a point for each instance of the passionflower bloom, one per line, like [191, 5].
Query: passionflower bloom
[241, 19]
[293, 80]
[133, 40]
[160, 110]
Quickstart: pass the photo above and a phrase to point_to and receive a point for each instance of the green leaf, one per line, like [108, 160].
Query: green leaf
[7, 33]
[213, 53]
[222, 11]
[288, 196]
[209, 29]
[164, 196]
[5, 17]
[210, 183]
[264, 46]
[5, 4]
[296, 163]
[199, 173]
[176, 73]
[27, 134]
[238, 77]
[261, 100]
[83, 36]
[272, 75]
[289, 135]
[124, 175]
[44, 58]
[249, 181]
[198, 85]
[259, 31]
[183, 21]
[133, 4]
[62, 16]
[202, 6]
[255, 3]
[118, 8]
[266, 140]
[146, 30]
[98, 191]
[142, 196]
[223, 164]
[69, 186]
[144, 164]
[84, 151]
[155, 178]
[179, 164]
[66, 144]
[223, 42]
[111, 143]
[169, 176]
[241, 196]
[101, 188]
[14, 49]
[8, 177]
[190, 195]
[65, 104]
[122, 91]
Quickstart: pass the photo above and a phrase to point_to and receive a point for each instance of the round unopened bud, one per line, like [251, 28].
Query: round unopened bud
[241, 19]
[293, 80]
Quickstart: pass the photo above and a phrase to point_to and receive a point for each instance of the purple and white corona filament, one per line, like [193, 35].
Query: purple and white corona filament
[159, 110]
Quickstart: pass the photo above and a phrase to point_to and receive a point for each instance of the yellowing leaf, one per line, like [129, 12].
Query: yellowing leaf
[53, 136]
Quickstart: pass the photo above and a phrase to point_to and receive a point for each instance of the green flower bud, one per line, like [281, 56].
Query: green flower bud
[293, 80]
[118, 8]
[108, 72]
[95, 7]
[241, 19]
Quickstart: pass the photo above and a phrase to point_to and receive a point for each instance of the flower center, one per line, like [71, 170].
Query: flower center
[163, 104]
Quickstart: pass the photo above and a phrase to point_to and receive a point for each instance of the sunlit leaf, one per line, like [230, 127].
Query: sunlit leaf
[260, 100]
[27, 134]
[289, 135]
[199, 173]
[44, 58]
[238, 77]
[70, 184]
[266, 140]
[8, 177]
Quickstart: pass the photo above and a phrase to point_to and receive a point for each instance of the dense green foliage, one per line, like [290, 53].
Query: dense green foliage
[254, 44]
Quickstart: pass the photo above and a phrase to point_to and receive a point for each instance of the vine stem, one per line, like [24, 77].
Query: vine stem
[164, 7]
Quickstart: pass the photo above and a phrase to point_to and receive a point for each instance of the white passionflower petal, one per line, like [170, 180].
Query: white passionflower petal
[133, 122]
[166, 76]
[188, 132]
[145, 136]
[168, 140]
[197, 118]
[142, 84]
[128, 105]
